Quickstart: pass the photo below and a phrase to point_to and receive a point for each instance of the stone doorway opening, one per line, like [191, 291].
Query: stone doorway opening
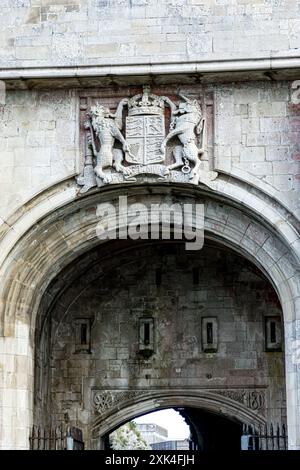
[205, 431]
[132, 320]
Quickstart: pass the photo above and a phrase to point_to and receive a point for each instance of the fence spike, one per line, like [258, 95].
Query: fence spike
[268, 436]
[284, 435]
[35, 437]
[47, 443]
[272, 436]
[62, 436]
[30, 438]
[259, 437]
[278, 437]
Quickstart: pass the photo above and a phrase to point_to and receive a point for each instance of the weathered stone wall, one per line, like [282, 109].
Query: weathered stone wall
[257, 135]
[125, 289]
[256, 131]
[38, 146]
[63, 32]
[256, 152]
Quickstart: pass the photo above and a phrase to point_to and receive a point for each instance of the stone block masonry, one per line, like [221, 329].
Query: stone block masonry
[256, 133]
[94, 31]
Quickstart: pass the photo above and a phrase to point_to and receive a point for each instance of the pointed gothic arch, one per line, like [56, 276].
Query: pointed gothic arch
[62, 227]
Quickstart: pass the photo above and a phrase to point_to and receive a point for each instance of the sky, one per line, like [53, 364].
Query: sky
[169, 419]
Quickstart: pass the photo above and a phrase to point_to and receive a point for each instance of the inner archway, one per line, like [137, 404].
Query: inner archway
[196, 429]
[206, 315]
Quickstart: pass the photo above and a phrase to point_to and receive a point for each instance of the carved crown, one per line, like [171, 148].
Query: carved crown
[145, 103]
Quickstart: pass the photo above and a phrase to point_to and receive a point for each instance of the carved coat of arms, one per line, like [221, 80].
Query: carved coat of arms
[113, 156]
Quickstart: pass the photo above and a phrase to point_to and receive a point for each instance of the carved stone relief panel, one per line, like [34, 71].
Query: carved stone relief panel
[104, 401]
[146, 137]
[252, 399]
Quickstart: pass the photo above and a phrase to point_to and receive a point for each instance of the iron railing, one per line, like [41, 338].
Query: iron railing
[264, 438]
[56, 438]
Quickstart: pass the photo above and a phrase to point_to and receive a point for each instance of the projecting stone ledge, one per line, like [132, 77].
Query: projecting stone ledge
[259, 68]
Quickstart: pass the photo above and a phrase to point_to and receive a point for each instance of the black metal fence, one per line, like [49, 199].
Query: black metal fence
[267, 437]
[56, 438]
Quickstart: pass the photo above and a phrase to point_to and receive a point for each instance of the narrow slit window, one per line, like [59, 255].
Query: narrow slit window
[195, 276]
[158, 276]
[209, 333]
[273, 332]
[146, 334]
[83, 333]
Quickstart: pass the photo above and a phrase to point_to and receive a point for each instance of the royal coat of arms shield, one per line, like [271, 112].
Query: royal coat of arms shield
[145, 135]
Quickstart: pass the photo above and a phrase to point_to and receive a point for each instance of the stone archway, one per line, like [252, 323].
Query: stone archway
[112, 289]
[136, 403]
[70, 231]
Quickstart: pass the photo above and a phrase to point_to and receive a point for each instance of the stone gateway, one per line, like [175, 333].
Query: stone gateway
[141, 104]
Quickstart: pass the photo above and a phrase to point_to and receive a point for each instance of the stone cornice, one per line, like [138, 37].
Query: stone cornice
[256, 68]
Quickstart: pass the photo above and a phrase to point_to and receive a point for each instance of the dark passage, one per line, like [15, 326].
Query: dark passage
[208, 431]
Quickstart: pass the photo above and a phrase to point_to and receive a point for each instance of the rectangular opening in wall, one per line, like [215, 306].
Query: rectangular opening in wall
[146, 335]
[83, 335]
[273, 333]
[195, 276]
[158, 277]
[209, 334]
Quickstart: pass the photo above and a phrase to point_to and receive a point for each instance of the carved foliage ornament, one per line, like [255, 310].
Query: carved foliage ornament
[113, 156]
[105, 400]
[252, 399]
